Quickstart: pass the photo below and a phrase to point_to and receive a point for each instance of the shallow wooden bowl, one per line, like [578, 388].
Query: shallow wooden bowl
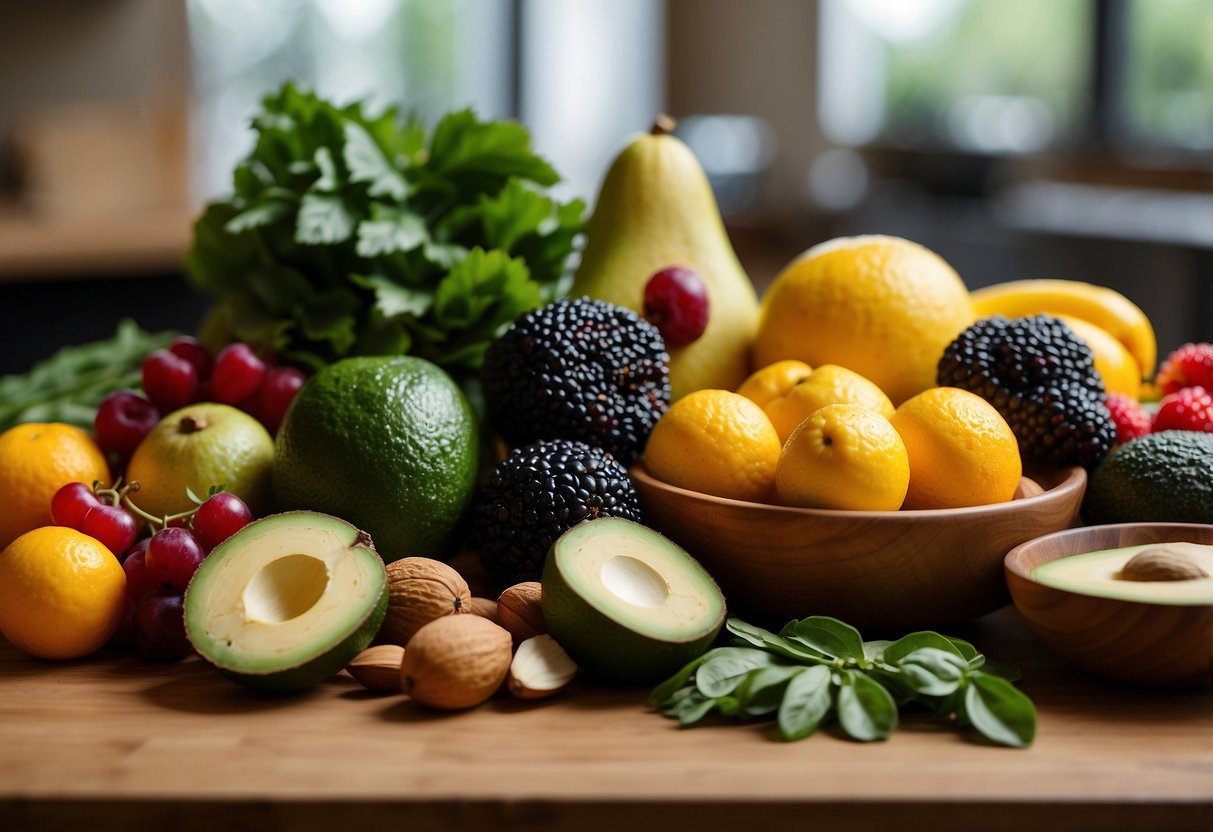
[1154, 644]
[877, 570]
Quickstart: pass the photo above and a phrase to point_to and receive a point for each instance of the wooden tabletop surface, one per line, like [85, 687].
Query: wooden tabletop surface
[120, 743]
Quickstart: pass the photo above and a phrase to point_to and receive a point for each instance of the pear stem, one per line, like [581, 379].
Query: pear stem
[662, 124]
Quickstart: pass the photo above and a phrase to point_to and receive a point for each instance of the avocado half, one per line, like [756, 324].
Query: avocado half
[626, 603]
[287, 601]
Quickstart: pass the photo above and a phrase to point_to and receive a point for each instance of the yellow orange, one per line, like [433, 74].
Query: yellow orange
[828, 384]
[774, 380]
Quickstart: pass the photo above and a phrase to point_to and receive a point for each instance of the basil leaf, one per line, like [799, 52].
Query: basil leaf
[761, 691]
[513, 213]
[767, 640]
[906, 645]
[999, 711]
[389, 230]
[866, 711]
[827, 635]
[323, 220]
[722, 673]
[261, 214]
[806, 703]
[968, 652]
[874, 651]
[696, 711]
[667, 688]
[930, 671]
[327, 182]
[368, 164]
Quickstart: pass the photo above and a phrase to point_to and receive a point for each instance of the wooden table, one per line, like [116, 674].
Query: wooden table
[116, 743]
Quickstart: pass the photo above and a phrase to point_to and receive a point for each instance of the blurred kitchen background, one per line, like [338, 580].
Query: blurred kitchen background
[1036, 138]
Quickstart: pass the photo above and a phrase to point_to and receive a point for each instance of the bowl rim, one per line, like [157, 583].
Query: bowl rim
[1013, 561]
[1074, 479]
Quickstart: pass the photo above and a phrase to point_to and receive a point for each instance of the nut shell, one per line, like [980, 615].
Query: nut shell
[519, 610]
[485, 608]
[421, 590]
[456, 662]
[378, 668]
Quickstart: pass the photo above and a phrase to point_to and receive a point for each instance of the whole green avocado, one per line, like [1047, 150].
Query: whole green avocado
[389, 444]
[1162, 477]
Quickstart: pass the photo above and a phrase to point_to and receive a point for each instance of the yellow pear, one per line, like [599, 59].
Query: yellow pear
[655, 210]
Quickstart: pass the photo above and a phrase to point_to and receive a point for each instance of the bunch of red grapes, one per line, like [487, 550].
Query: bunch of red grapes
[185, 373]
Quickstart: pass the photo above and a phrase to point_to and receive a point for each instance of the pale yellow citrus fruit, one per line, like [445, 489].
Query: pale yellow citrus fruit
[844, 456]
[828, 384]
[882, 306]
[61, 593]
[716, 442]
[774, 380]
[1116, 366]
[197, 447]
[962, 452]
[36, 460]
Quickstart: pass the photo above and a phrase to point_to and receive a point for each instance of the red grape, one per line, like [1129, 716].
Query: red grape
[281, 385]
[676, 301]
[139, 579]
[219, 517]
[124, 636]
[71, 503]
[169, 380]
[123, 419]
[173, 556]
[160, 626]
[114, 527]
[238, 373]
[193, 351]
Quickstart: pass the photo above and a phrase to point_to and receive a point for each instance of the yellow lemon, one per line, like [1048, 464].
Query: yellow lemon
[883, 306]
[828, 384]
[1116, 366]
[715, 442]
[962, 452]
[844, 456]
[773, 381]
[61, 593]
[36, 460]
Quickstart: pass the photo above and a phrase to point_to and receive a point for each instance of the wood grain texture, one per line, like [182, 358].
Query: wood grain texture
[120, 743]
[1156, 644]
[878, 570]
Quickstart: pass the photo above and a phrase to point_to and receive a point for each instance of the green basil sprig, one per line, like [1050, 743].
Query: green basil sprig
[819, 669]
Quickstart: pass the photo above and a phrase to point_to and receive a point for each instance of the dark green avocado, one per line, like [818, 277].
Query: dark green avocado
[1165, 476]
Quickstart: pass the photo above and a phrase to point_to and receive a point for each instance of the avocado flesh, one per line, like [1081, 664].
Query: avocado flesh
[287, 601]
[626, 603]
[1094, 573]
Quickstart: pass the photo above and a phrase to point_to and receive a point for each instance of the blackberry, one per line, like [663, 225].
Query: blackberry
[1042, 379]
[539, 492]
[578, 369]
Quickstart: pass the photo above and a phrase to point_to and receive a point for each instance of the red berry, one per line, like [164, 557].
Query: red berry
[1189, 409]
[139, 579]
[169, 380]
[1131, 419]
[123, 419]
[192, 350]
[114, 527]
[676, 301]
[238, 373]
[219, 517]
[1189, 366]
[160, 626]
[71, 503]
[173, 556]
[277, 393]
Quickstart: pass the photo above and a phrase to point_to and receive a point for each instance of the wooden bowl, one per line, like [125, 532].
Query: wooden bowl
[1155, 644]
[877, 570]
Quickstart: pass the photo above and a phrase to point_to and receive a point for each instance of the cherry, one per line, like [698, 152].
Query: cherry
[277, 393]
[139, 579]
[114, 527]
[238, 373]
[123, 419]
[193, 351]
[160, 626]
[676, 301]
[219, 517]
[173, 556]
[71, 503]
[169, 380]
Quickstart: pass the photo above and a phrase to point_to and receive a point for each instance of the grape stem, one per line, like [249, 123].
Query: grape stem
[123, 496]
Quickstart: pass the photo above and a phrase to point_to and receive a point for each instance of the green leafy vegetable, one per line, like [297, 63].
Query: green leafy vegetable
[351, 232]
[68, 386]
[819, 669]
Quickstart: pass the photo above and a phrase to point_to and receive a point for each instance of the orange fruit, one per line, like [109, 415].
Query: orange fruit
[773, 381]
[844, 456]
[1116, 366]
[715, 442]
[882, 306]
[828, 384]
[962, 452]
[36, 460]
[61, 593]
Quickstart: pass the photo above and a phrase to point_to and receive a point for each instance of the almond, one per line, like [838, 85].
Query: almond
[485, 608]
[519, 611]
[1168, 562]
[456, 662]
[378, 668]
[419, 591]
[540, 668]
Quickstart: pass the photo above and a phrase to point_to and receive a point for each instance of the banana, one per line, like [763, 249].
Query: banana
[1106, 308]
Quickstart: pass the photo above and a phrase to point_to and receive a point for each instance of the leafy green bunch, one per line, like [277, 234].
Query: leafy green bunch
[819, 669]
[357, 233]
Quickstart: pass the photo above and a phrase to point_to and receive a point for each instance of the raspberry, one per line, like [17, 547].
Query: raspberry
[1131, 420]
[1189, 366]
[1189, 409]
